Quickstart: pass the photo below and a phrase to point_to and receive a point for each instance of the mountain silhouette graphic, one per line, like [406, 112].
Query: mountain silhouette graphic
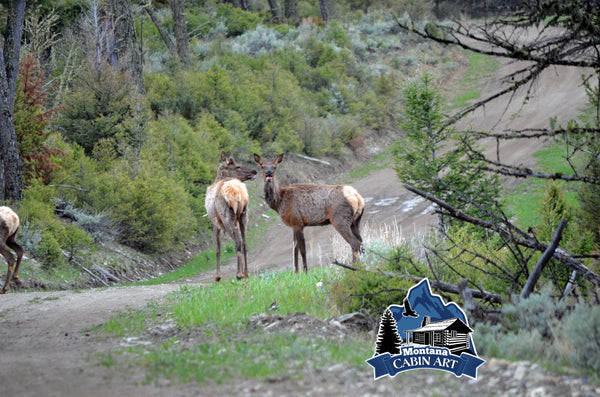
[425, 303]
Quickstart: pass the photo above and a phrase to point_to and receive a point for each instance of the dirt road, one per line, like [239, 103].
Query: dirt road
[46, 350]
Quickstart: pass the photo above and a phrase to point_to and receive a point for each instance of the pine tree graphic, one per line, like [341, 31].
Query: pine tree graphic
[388, 340]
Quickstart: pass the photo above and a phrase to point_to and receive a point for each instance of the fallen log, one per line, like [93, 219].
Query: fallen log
[105, 273]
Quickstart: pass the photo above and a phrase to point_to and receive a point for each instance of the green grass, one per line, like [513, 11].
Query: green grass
[205, 261]
[480, 66]
[256, 355]
[222, 347]
[232, 302]
[524, 201]
[378, 162]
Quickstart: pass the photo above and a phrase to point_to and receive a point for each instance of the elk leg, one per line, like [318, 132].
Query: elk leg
[300, 245]
[12, 243]
[296, 251]
[217, 233]
[235, 236]
[238, 252]
[9, 260]
[346, 232]
[355, 227]
[243, 224]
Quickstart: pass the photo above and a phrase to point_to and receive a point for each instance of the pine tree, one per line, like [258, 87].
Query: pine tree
[388, 340]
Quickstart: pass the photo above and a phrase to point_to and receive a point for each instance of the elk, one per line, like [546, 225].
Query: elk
[227, 207]
[301, 205]
[9, 225]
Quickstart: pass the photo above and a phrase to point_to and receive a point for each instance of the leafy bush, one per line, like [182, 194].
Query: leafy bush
[236, 20]
[368, 289]
[152, 211]
[538, 312]
[49, 239]
[533, 330]
[97, 107]
[579, 339]
[258, 41]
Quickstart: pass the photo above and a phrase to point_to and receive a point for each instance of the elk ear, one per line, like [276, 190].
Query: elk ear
[257, 158]
[279, 158]
[223, 156]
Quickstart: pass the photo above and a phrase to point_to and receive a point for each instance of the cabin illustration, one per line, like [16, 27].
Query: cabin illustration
[452, 334]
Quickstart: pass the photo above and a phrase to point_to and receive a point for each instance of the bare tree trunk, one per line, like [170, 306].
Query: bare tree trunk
[11, 176]
[161, 30]
[126, 55]
[275, 10]
[327, 9]
[291, 10]
[181, 34]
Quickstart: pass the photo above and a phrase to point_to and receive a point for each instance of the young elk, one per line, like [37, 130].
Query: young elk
[301, 205]
[9, 225]
[227, 207]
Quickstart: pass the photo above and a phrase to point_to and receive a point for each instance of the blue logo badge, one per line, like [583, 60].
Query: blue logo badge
[424, 333]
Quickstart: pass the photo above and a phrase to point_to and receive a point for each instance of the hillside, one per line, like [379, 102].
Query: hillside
[389, 206]
[329, 97]
[44, 328]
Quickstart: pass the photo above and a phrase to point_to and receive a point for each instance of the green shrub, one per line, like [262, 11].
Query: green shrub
[538, 312]
[96, 108]
[49, 251]
[236, 20]
[579, 338]
[367, 289]
[152, 211]
[519, 345]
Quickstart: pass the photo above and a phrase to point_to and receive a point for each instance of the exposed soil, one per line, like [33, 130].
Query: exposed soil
[48, 352]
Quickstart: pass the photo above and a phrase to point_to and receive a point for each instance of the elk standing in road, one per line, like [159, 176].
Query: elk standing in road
[9, 225]
[227, 207]
[301, 205]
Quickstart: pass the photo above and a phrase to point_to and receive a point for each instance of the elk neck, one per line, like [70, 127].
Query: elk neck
[272, 197]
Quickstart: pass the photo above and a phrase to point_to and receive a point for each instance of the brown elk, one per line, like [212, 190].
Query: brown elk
[301, 205]
[9, 225]
[227, 207]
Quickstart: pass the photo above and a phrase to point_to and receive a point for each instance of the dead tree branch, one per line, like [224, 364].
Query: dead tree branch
[537, 270]
[511, 232]
[446, 287]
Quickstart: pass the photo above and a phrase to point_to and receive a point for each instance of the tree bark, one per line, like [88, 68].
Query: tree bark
[327, 10]
[126, 55]
[180, 31]
[275, 10]
[161, 30]
[11, 176]
[291, 11]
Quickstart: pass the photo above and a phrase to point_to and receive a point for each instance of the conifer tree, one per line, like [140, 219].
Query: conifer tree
[388, 340]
